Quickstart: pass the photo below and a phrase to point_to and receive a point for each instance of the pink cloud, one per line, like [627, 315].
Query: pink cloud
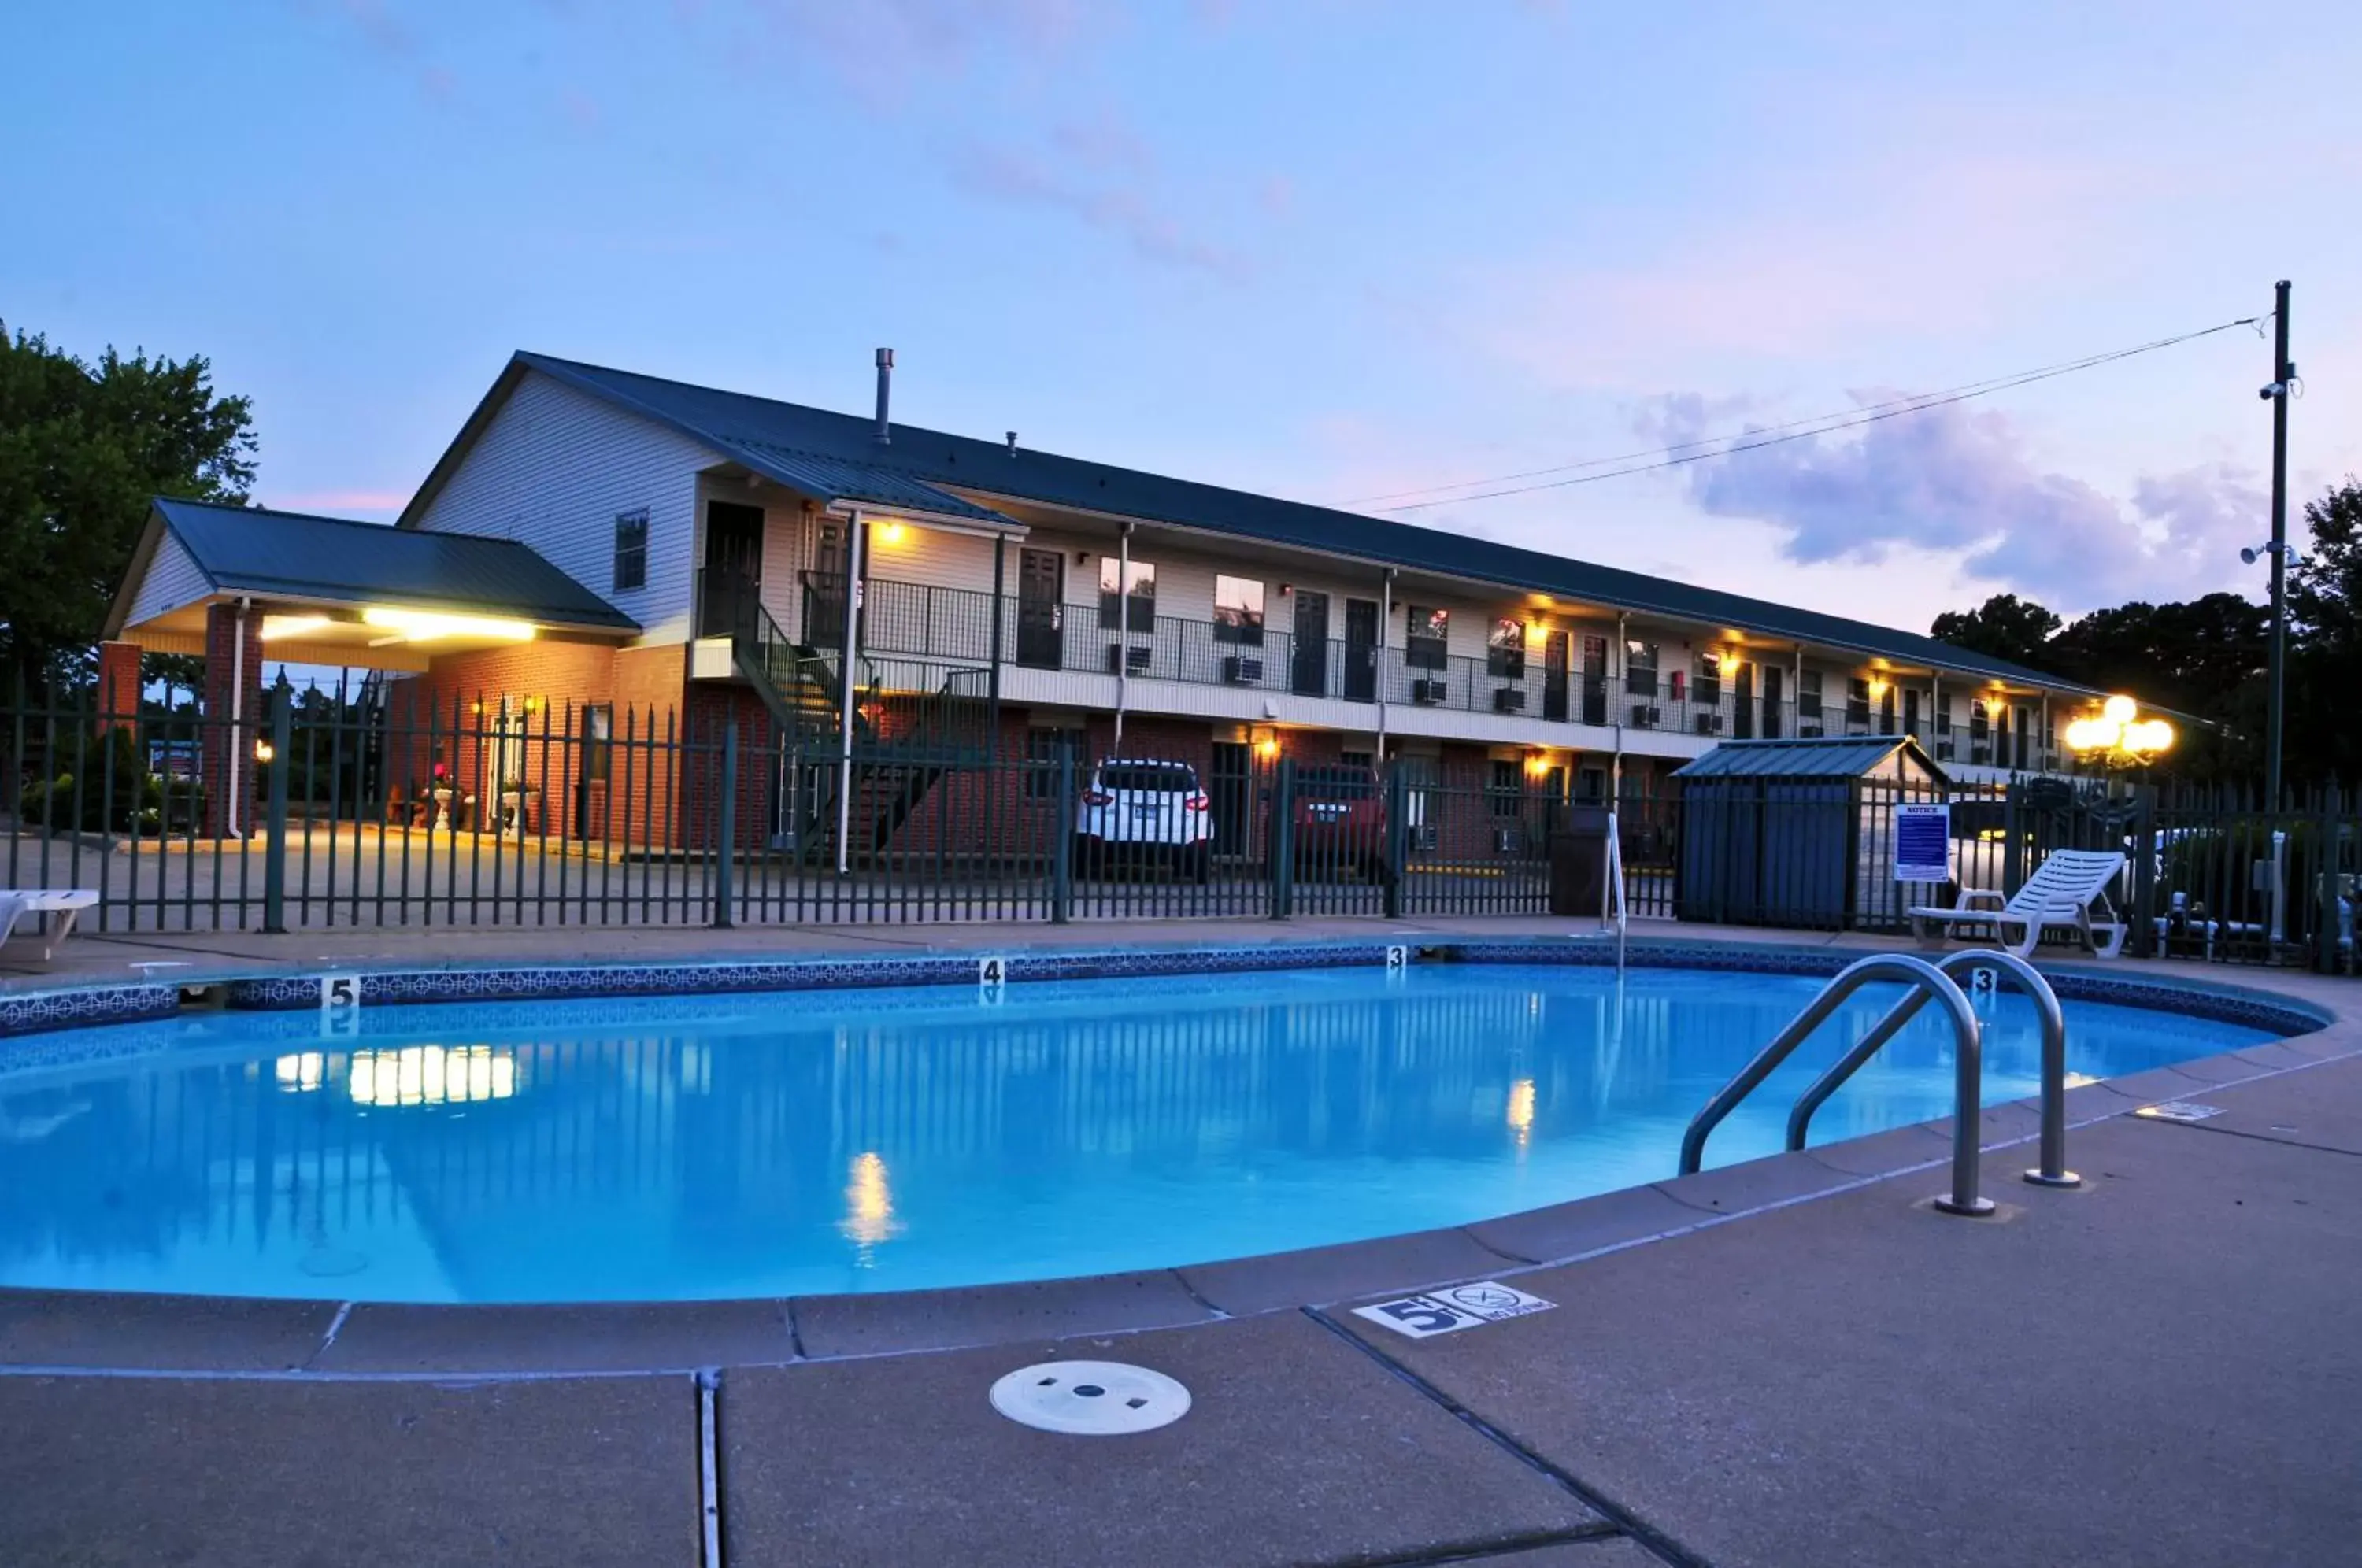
[1008, 174]
[1963, 484]
[879, 48]
[1859, 249]
[334, 502]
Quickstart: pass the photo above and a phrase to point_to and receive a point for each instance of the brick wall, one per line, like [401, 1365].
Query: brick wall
[988, 812]
[451, 715]
[118, 684]
[223, 672]
[711, 709]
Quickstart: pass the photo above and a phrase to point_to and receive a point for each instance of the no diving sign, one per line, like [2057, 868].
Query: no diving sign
[1447, 1311]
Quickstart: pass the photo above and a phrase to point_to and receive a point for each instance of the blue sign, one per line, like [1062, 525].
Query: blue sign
[1923, 842]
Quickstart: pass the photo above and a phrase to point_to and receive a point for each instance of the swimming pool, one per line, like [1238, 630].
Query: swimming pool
[686, 1148]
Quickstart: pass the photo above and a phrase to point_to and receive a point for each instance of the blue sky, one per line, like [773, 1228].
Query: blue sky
[1324, 249]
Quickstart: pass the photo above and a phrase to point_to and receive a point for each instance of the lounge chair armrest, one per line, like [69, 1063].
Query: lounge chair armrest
[1981, 899]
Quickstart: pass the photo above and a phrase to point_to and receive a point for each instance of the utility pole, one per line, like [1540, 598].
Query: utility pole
[2283, 373]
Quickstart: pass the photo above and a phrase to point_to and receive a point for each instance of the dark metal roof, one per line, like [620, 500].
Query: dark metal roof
[1834, 756]
[289, 554]
[753, 429]
[827, 479]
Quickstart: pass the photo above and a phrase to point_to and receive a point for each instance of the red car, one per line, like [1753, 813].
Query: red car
[1340, 821]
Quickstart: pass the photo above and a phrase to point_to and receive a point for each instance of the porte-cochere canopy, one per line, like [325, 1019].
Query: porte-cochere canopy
[334, 591]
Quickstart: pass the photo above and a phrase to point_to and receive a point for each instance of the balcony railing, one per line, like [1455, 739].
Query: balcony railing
[912, 621]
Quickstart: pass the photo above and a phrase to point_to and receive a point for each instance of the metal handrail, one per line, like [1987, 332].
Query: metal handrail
[2052, 1171]
[1966, 1080]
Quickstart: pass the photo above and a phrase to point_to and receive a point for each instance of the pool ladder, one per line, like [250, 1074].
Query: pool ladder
[1926, 981]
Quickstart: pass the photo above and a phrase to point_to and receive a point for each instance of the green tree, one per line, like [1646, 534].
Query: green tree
[2325, 595]
[2205, 657]
[2004, 626]
[2188, 656]
[82, 448]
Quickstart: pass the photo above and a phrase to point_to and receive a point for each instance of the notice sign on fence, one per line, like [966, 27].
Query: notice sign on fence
[1923, 842]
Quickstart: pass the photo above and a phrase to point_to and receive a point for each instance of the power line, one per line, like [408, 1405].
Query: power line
[1683, 452]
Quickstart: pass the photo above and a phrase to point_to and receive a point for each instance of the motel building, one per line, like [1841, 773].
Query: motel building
[619, 556]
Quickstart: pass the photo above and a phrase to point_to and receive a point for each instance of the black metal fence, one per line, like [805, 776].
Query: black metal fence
[400, 805]
[393, 804]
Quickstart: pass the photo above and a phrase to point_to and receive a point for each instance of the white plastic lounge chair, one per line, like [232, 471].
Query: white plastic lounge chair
[54, 910]
[2062, 891]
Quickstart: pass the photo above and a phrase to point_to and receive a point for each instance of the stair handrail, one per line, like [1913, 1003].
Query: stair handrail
[1967, 1078]
[2052, 1171]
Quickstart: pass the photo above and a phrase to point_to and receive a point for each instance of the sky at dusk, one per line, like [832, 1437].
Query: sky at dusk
[1321, 250]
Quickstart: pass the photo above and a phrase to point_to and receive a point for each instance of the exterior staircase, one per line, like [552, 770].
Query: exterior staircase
[903, 741]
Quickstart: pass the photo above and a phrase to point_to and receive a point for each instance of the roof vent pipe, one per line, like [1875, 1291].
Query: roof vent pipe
[1012, 443]
[885, 393]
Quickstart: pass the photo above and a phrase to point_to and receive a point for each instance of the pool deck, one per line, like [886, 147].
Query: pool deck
[1789, 1362]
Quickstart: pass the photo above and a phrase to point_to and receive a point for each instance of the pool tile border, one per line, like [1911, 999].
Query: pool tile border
[84, 1007]
[79, 1006]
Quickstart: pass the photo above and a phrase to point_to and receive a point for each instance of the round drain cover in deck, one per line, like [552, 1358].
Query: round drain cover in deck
[1090, 1399]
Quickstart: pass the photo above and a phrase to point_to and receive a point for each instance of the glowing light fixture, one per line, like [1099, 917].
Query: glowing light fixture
[891, 532]
[2118, 737]
[277, 627]
[1727, 661]
[1877, 685]
[426, 626]
[1536, 764]
[1266, 744]
[264, 751]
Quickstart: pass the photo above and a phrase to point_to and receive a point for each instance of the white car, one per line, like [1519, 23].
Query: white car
[1135, 808]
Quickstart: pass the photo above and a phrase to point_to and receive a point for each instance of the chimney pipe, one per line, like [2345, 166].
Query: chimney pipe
[1012, 443]
[885, 392]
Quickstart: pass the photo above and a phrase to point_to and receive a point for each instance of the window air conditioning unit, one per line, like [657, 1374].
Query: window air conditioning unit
[1241, 671]
[1127, 659]
[1645, 716]
[1508, 699]
[1429, 692]
[1709, 723]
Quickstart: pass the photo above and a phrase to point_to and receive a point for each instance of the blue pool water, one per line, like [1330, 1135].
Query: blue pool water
[854, 1141]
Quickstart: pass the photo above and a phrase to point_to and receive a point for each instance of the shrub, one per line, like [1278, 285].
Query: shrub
[116, 789]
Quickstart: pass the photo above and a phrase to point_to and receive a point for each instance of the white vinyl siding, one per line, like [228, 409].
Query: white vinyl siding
[554, 467]
[173, 582]
[941, 559]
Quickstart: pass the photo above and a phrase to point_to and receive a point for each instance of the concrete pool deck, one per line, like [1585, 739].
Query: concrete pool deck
[1791, 1361]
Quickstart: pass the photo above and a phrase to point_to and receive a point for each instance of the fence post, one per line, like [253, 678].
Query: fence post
[2324, 855]
[726, 821]
[2144, 932]
[1397, 840]
[2012, 852]
[275, 848]
[1283, 839]
[1062, 848]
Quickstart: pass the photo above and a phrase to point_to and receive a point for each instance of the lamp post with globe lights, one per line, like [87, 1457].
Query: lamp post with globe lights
[2117, 736]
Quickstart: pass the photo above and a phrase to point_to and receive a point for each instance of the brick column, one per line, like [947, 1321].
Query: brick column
[222, 751]
[118, 684]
